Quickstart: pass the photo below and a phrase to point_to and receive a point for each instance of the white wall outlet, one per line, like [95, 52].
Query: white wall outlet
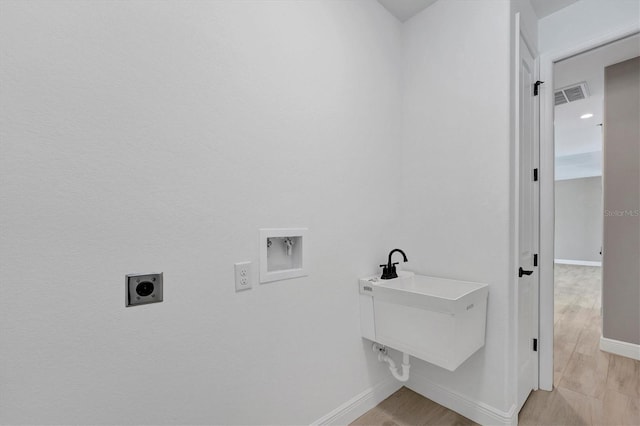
[243, 275]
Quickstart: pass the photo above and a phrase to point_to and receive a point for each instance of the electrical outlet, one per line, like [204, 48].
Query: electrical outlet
[243, 275]
[141, 289]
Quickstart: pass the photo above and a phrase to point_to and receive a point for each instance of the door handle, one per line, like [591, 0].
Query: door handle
[522, 272]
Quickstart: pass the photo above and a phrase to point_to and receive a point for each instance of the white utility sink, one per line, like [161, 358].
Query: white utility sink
[438, 320]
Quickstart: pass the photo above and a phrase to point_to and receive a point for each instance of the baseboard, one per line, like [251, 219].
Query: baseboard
[359, 404]
[474, 410]
[578, 262]
[629, 350]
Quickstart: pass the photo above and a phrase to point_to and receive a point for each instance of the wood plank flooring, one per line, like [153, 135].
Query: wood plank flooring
[591, 387]
[405, 407]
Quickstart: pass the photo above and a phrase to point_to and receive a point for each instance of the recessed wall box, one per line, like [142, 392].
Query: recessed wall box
[143, 288]
[283, 253]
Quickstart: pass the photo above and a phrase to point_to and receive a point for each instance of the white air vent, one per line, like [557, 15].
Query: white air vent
[572, 93]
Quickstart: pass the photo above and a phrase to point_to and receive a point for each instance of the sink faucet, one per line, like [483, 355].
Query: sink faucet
[389, 270]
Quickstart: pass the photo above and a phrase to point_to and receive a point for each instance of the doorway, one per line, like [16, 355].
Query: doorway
[585, 381]
[578, 100]
[578, 175]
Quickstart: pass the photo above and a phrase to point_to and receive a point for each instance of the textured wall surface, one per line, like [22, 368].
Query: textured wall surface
[584, 20]
[455, 172]
[160, 136]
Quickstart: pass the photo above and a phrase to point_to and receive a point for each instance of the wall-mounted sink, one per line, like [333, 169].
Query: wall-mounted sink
[438, 320]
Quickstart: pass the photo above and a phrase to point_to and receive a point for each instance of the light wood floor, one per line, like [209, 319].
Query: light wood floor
[405, 407]
[591, 387]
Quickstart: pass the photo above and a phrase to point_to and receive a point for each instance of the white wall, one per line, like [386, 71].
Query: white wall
[140, 136]
[585, 19]
[456, 157]
[579, 219]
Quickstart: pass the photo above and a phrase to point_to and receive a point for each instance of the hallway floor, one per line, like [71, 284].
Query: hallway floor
[591, 387]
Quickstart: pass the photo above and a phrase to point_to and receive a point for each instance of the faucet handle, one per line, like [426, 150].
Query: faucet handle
[386, 272]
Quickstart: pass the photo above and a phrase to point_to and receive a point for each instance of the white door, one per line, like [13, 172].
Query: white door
[528, 212]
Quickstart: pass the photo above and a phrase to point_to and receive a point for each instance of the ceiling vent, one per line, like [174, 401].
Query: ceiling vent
[572, 93]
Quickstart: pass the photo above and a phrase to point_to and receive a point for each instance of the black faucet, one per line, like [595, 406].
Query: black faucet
[389, 270]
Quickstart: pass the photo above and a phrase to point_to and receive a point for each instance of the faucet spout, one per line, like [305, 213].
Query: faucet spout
[389, 264]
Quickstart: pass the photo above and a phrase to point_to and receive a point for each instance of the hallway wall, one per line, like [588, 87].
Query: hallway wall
[621, 174]
[579, 218]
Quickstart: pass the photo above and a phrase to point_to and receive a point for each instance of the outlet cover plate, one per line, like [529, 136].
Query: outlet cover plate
[142, 289]
[243, 275]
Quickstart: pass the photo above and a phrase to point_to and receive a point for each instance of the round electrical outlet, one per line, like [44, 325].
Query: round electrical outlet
[145, 288]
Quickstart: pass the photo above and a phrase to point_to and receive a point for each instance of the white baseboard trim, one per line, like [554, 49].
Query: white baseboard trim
[359, 404]
[577, 262]
[629, 350]
[477, 411]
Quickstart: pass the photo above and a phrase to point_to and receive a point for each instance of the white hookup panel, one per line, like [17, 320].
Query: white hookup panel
[243, 275]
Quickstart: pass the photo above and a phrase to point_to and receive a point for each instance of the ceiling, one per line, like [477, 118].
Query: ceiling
[405, 9]
[547, 7]
[578, 142]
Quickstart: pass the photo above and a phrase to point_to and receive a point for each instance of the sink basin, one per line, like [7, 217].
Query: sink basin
[438, 320]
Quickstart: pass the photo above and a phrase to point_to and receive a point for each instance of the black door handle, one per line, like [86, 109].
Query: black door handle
[522, 272]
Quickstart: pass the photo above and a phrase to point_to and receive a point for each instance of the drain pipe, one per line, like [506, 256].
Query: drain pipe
[383, 356]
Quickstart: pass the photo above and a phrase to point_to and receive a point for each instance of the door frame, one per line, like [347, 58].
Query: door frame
[547, 191]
